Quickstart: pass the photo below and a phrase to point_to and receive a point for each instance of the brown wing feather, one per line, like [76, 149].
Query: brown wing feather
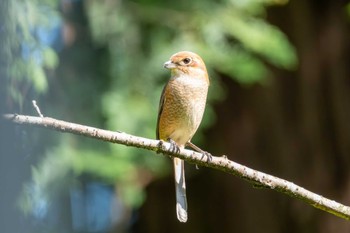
[160, 110]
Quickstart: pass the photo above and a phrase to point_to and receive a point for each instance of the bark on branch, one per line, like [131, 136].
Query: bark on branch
[220, 163]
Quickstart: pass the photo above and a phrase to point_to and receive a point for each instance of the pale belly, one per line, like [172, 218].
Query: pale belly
[182, 113]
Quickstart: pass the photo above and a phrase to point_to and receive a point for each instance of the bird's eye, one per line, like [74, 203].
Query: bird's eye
[187, 60]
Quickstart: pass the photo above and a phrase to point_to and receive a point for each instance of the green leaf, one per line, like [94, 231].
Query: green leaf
[50, 58]
[262, 38]
[38, 77]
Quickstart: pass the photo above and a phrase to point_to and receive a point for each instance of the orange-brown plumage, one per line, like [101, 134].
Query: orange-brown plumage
[181, 109]
[183, 99]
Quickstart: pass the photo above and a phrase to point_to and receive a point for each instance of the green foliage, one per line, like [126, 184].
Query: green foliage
[26, 56]
[232, 36]
[50, 58]
[49, 178]
[123, 91]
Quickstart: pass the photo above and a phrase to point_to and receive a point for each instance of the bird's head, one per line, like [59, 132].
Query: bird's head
[187, 63]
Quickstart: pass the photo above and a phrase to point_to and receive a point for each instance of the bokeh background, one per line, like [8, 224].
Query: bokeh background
[279, 102]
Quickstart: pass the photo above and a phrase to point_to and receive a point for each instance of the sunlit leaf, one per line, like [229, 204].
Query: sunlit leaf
[39, 78]
[50, 58]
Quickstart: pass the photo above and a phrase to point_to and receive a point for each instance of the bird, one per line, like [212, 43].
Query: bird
[181, 109]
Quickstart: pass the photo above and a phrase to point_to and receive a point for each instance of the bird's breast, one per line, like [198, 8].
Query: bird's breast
[183, 107]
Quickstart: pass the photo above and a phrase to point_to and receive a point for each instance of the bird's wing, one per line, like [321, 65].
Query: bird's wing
[160, 110]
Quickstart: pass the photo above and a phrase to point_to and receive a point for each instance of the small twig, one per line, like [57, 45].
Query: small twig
[257, 178]
[37, 108]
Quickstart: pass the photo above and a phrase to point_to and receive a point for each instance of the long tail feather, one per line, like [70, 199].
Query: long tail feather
[180, 187]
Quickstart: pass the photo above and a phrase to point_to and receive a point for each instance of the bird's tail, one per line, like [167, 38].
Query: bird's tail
[180, 187]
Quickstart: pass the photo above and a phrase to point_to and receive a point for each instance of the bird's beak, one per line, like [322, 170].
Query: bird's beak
[169, 65]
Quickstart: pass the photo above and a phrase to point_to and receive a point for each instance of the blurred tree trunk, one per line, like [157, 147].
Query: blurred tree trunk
[295, 126]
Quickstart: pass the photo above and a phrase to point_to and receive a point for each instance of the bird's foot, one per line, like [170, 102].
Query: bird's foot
[174, 148]
[208, 155]
[160, 146]
[204, 153]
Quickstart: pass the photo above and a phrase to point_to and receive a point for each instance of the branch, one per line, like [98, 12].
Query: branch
[257, 178]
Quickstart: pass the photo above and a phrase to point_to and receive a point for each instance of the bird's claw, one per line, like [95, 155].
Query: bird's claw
[204, 153]
[160, 146]
[174, 148]
[208, 155]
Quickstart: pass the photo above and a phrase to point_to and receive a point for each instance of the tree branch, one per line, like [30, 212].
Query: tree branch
[220, 163]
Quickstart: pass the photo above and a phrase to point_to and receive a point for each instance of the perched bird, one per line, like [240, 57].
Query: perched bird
[181, 110]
